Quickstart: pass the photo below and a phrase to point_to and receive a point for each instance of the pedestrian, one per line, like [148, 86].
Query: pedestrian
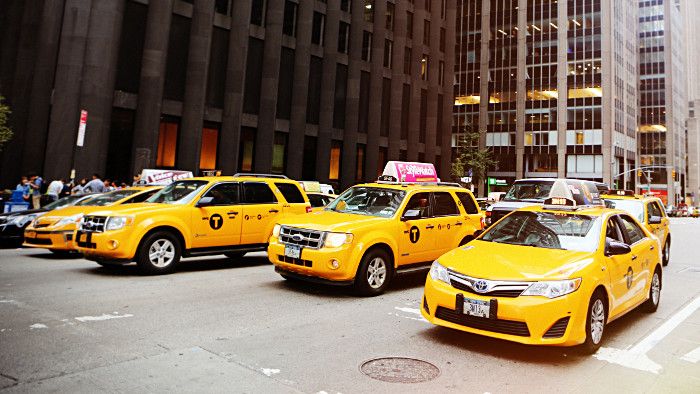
[108, 186]
[35, 183]
[54, 189]
[66, 189]
[23, 185]
[79, 188]
[96, 185]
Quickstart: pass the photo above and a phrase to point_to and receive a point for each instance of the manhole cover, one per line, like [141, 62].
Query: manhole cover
[400, 370]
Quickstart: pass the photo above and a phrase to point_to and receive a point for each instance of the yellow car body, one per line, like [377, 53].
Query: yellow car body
[196, 216]
[528, 289]
[311, 248]
[649, 211]
[55, 230]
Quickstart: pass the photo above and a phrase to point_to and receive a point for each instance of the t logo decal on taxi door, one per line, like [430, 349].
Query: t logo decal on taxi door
[216, 221]
[414, 234]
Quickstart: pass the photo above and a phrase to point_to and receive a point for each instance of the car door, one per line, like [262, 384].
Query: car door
[218, 224]
[472, 215]
[294, 203]
[651, 210]
[447, 222]
[261, 210]
[416, 236]
[644, 254]
[619, 268]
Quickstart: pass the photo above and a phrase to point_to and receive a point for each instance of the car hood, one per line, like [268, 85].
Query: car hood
[498, 261]
[327, 220]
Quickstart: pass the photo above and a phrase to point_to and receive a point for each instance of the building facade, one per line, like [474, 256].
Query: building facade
[315, 89]
[663, 98]
[550, 85]
[691, 11]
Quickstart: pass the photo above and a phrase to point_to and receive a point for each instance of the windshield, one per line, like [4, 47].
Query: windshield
[633, 207]
[368, 201]
[547, 230]
[529, 190]
[63, 202]
[107, 198]
[180, 192]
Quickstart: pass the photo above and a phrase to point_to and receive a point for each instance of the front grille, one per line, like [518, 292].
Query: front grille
[94, 224]
[38, 241]
[505, 289]
[301, 237]
[500, 326]
[558, 329]
[291, 260]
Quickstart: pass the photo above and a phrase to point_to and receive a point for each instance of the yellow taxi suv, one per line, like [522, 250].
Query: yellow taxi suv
[547, 275]
[192, 217]
[373, 230]
[649, 211]
[55, 230]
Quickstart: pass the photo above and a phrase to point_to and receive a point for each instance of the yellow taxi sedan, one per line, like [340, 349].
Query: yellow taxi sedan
[54, 231]
[547, 275]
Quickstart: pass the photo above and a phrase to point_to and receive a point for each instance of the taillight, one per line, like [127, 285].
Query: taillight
[308, 209]
[488, 213]
[483, 223]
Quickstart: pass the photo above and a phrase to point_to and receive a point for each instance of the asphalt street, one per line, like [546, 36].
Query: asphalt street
[216, 325]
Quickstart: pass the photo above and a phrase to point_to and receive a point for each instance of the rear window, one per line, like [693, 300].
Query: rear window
[290, 192]
[258, 193]
[468, 203]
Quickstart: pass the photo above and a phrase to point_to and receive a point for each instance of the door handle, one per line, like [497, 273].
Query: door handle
[634, 258]
[232, 213]
[458, 224]
[273, 210]
[429, 226]
[651, 247]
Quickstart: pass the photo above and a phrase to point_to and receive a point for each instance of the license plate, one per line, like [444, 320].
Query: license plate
[292, 251]
[476, 307]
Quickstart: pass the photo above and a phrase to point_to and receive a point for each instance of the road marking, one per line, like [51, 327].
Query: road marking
[412, 311]
[693, 356]
[104, 316]
[408, 310]
[37, 326]
[8, 302]
[636, 356]
[269, 371]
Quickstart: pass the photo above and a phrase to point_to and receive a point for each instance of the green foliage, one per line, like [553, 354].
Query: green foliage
[470, 156]
[5, 131]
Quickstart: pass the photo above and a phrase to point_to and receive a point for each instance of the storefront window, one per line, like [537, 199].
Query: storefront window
[167, 144]
[210, 140]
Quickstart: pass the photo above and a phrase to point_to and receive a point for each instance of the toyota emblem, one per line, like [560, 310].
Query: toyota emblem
[480, 286]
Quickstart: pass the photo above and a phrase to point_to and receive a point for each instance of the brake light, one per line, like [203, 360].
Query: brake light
[308, 209]
[488, 213]
[483, 222]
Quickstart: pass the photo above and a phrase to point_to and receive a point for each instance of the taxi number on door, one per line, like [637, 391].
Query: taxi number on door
[292, 251]
[476, 307]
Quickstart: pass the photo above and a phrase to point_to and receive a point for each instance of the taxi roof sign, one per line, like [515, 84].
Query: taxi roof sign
[620, 192]
[404, 171]
[559, 203]
[311, 186]
[155, 177]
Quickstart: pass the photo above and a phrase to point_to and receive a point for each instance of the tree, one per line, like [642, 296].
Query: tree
[5, 131]
[470, 156]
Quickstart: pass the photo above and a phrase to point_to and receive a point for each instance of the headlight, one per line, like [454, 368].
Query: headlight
[439, 272]
[553, 289]
[276, 230]
[336, 240]
[22, 220]
[117, 222]
[69, 219]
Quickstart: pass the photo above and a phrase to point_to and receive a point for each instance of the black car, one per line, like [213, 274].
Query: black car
[12, 224]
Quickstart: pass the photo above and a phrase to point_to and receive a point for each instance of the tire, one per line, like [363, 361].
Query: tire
[234, 255]
[652, 303]
[595, 323]
[666, 252]
[159, 253]
[374, 273]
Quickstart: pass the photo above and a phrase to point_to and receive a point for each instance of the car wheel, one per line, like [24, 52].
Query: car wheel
[652, 303]
[159, 253]
[666, 252]
[234, 255]
[595, 323]
[374, 274]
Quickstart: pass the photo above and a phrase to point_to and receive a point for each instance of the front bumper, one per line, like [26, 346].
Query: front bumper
[49, 239]
[316, 263]
[113, 246]
[530, 320]
[11, 233]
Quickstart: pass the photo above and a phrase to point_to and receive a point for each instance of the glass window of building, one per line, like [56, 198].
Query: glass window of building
[343, 37]
[318, 28]
[366, 46]
[425, 67]
[423, 124]
[285, 84]
[405, 108]
[334, 168]
[442, 39]
[207, 153]
[426, 32]
[409, 24]
[176, 65]
[223, 6]
[246, 149]
[360, 164]
[388, 53]
[341, 87]
[441, 73]
[313, 98]
[289, 24]
[253, 76]
[369, 11]
[407, 61]
[279, 153]
[167, 143]
[257, 13]
[363, 116]
[345, 5]
[389, 23]
[386, 106]
[427, 5]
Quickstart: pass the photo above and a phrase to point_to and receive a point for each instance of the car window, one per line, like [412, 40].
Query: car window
[419, 202]
[529, 190]
[661, 209]
[224, 194]
[372, 201]
[445, 205]
[613, 230]
[653, 210]
[317, 200]
[107, 198]
[546, 230]
[141, 197]
[633, 231]
[633, 207]
[290, 192]
[180, 192]
[258, 193]
[468, 203]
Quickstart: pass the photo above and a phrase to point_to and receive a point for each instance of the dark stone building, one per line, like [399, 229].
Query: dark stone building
[315, 89]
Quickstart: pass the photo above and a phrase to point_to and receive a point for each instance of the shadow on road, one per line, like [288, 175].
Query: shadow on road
[45, 254]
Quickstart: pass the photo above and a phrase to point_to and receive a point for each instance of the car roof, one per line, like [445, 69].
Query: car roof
[238, 178]
[590, 210]
[414, 186]
[635, 197]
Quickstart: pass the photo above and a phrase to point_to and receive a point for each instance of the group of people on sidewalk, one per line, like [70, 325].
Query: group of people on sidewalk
[33, 187]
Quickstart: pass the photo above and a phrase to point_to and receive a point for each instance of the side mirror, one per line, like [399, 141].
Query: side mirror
[615, 248]
[411, 214]
[205, 202]
[655, 220]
